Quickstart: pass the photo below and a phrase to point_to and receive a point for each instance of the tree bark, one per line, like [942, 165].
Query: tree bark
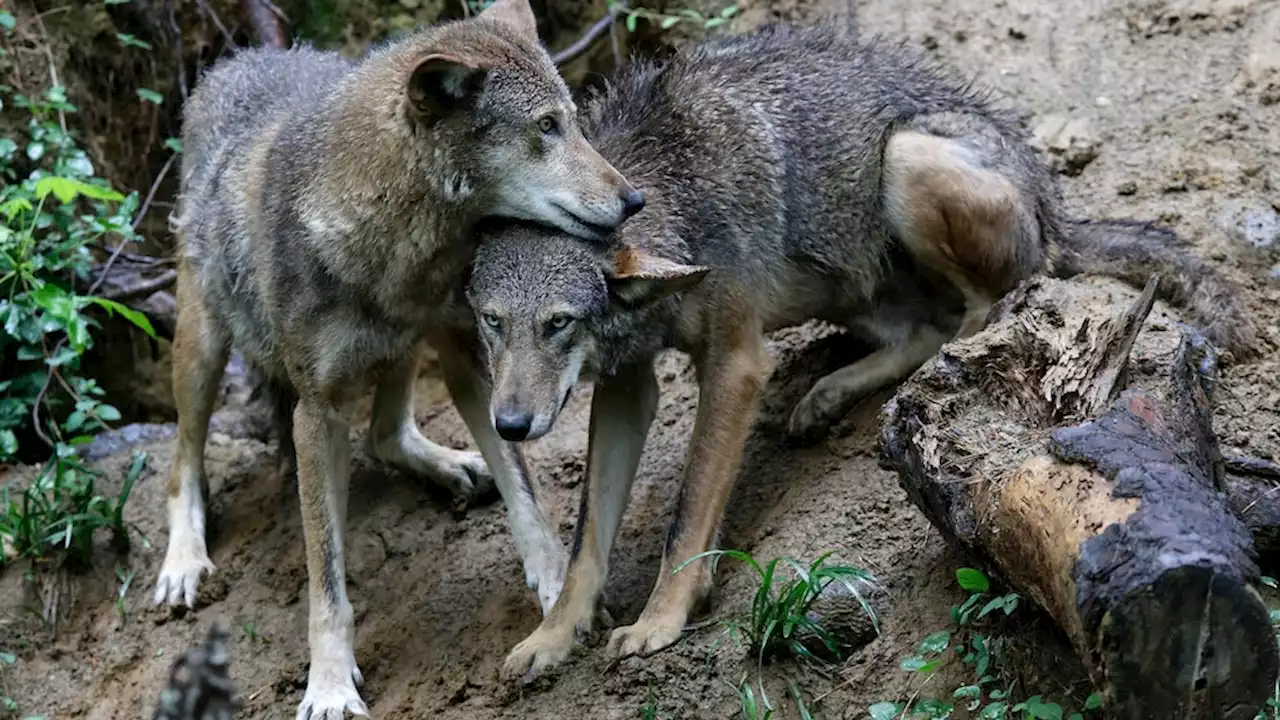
[1071, 446]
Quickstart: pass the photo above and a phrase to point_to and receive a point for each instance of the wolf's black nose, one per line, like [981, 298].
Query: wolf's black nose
[632, 203]
[513, 427]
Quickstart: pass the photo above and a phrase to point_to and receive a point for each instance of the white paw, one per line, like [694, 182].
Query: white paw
[185, 563]
[471, 474]
[465, 474]
[332, 694]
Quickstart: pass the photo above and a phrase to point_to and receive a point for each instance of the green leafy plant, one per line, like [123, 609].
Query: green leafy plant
[779, 617]
[55, 211]
[987, 697]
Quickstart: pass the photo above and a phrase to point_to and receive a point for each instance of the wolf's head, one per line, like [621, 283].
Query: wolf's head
[503, 129]
[541, 301]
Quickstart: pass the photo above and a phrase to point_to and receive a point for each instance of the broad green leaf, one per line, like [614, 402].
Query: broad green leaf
[65, 189]
[8, 443]
[713, 22]
[1093, 702]
[972, 580]
[631, 23]
[730, 11]
[151, 96]
[174, 144]
[1036, 707]
[35, 151]
[936, 642]
[108, 413]
[667, 22]
[7, 148]
[7, 20]
[133, 316]
[55, 301]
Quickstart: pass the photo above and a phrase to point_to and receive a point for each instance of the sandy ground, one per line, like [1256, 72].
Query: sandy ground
[1148, 103]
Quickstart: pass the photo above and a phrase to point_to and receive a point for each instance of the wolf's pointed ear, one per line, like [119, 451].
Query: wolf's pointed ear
[515, 14]
[637, 278]
[441, 84]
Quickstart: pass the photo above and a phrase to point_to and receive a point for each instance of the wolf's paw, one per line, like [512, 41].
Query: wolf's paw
[185, 563]
[331, 694]
[813, 416]
[647, 636]
[544, 649]
[469, 474]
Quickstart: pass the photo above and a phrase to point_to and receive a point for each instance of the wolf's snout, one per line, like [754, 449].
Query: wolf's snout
[513, 426]
[632, 202]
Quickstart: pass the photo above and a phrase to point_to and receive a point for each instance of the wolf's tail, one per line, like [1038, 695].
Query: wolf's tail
[1134, 251]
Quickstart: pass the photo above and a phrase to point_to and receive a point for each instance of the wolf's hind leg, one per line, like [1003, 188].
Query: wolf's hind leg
[962, 205]
[835, 395]
[200, 350]
[394, 438]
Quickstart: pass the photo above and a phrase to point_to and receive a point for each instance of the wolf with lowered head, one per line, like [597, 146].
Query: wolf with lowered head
[324, 221]
[791, 174]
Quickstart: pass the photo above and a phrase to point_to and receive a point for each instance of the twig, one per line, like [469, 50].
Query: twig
[217, 21]
[177, 49]
[163, 281]
[589, 38]
[53, 69]
[151, 194]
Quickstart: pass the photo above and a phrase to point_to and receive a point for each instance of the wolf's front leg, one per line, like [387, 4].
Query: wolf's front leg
[394, 438]
[200, 349]
[730, 379]
[324, 474]
[536, 539]
[622, 408]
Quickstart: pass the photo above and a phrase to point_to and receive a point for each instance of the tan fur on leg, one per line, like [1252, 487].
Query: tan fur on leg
[200, 352]
[324, 473]
[731, 375]
[622, 408]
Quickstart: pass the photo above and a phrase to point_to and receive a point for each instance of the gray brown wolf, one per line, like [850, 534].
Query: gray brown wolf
[792, 174]
[324, 222]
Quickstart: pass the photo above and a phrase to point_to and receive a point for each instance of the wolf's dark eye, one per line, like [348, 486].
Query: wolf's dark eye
[492, 321]
[548, 125]
[559, 321]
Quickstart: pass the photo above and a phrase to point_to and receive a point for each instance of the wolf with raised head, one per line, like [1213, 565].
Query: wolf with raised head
[324, 223]
[792, 174]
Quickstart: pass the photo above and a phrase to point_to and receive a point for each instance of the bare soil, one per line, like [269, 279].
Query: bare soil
[1171, 116]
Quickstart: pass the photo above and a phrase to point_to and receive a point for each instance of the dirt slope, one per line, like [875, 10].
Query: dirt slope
[1163, 124]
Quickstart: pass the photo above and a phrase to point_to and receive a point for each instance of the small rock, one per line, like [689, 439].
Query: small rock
[1275, 271]
[1127, 188]
[930, 43]
[1101, 101]
[838, 612]
[1255, 224]
[1017, 34]
[1069, 143]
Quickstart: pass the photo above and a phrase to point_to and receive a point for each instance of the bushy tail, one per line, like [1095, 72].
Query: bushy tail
[199, 685]
[1134, 251]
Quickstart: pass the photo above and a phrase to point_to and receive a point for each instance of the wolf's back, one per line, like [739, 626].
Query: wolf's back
[236, 100]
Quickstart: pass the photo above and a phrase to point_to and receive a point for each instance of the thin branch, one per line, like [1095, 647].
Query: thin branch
[151, 194]
[589, 38]
[144, 288]
[53, 68]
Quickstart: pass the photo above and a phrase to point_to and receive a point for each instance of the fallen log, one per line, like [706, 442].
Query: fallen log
[1071, 446]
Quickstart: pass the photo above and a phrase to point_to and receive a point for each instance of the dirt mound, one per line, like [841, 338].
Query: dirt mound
[1174, 134]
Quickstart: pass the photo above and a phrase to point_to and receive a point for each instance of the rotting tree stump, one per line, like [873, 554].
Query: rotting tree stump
[1071, 445]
